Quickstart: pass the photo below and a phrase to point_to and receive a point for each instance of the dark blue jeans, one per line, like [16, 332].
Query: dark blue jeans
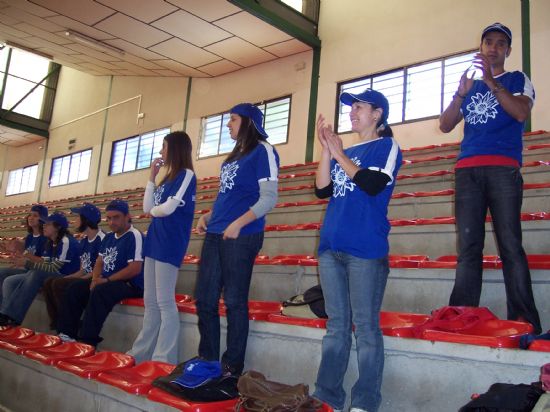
[499, 189]
[225, 265]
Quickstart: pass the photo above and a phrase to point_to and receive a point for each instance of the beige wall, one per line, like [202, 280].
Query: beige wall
[287, 76]
[359, 38]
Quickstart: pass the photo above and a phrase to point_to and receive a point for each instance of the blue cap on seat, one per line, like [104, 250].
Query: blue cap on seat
[197, 372]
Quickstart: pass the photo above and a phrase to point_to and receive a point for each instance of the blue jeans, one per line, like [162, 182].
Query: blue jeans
[19, 292]
[353, 288]
[6, 272]
[499, 189]
[225, 264]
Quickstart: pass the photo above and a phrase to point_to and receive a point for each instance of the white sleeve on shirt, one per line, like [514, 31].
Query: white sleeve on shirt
[149, 197]
[172, 203]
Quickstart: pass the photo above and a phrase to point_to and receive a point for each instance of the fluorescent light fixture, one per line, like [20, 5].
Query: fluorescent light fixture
[91, 42]
[28, 49]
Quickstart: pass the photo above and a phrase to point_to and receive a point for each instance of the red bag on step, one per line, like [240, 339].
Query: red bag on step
[455, 319]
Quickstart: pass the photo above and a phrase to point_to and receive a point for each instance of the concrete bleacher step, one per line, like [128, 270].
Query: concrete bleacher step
[285, 353]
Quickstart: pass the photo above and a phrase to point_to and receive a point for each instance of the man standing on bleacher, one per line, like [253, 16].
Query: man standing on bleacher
[117, 275]
[487, 174]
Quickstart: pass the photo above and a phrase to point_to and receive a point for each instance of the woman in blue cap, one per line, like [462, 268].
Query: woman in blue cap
[353, 249]
[32, 246]
[60, 258]
[172, 205]
[234, 235]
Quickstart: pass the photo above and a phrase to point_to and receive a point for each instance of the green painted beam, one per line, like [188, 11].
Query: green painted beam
[187, 103]
[526, 46]
[263, 9]
[312, 113]
[24, 128]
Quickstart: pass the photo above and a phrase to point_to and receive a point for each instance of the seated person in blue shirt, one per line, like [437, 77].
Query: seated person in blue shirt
[33, 245]
[89, 217]
[60, 258]
[117, 275]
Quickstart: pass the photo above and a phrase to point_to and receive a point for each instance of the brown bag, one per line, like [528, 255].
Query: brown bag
[260, 395]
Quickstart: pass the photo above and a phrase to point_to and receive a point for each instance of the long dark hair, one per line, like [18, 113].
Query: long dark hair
[29, 228]
[54, 246]
[247, 139]
[178, 154]
[85, 223]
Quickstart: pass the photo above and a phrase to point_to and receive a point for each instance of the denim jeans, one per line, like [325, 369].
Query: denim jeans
[225, 264]
[6, 272]
[159, 336]
[499, 189]
[353, 288]
[19, 292]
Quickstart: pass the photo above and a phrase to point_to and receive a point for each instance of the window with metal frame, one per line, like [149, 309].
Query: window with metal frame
[70, 168]
[136, 152]
[21, 180]
[415, 92]
[215, 139]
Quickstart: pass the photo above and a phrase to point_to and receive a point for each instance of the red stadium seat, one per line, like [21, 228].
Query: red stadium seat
[494, 333]
[540, 345]
[38, 341]
[9, 334]
[132, 302]
[289, 320]
[257, 310]
[67, 350]
[538, 261]
[158, 395]
[401, 324]
[137, 380]
[91, 366]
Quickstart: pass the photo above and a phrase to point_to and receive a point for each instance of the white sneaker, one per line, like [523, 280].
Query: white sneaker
[357, 410]
[66, 338]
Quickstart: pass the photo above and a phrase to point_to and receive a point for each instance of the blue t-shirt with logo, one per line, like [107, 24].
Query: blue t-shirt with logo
[240, 188]
[89, 249]
[67, 251]
[355, 222]
[117, 252]
[488, 128]
[34, 244]
[168, 237]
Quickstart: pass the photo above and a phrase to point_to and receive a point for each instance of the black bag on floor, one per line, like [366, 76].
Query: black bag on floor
[311, 304]
[506, 397]
[219, 389]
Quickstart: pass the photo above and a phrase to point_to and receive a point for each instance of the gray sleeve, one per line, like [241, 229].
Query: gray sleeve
[267, 200]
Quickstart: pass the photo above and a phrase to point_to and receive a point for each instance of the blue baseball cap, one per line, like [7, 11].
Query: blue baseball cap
[119, 206]
[41, 210]
[500, 28]
[371, 97]
[56, 217]
[197, 372]
[252, 112]
[89, 211]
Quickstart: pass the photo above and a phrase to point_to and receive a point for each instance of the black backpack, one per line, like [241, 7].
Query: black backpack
[506, 397]
[219, 389]
[313, 297]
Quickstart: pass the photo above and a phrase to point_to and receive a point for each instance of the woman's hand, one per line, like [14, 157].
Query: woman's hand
[156, 164]
[321, 131]
[232, 231]
[334, 143]
[203, 223]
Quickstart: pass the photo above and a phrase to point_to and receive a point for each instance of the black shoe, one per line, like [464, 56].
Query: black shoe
[7, 321]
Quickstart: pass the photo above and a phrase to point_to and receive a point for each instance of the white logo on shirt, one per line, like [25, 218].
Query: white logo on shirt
[158, 195]
[31, 250]
[482, 108]
[229, 172]
[109, 258]
[86, 262]
[341, 181]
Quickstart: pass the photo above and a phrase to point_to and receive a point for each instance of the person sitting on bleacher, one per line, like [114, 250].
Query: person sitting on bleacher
[117, 275]
[172, 205]
[60, 258]
[234, 236]
[488, 175]
[354, 247]
[33, 245]
[88, 220]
